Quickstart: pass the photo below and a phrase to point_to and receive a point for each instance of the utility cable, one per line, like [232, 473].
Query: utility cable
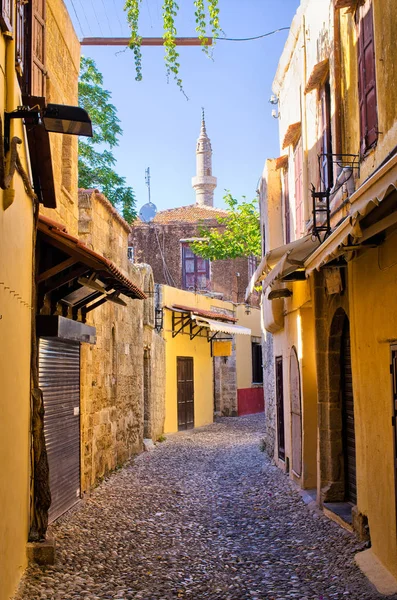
[77, 18]
[249, 39]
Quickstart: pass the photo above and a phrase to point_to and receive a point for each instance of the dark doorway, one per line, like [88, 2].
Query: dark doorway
[296, 413]
[280, 407]
[147, 433]
[185, 393]
[349, 441]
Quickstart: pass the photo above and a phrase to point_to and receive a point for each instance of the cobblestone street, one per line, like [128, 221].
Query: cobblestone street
[205, 515]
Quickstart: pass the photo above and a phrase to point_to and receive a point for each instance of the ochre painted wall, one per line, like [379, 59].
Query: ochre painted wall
[373, 322]
[16, 224]
[243, 344]
[199, 349]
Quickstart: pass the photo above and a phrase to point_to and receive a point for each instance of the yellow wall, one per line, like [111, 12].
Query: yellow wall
[15, 335]
[199, 349]
[372, 335]
[298, 333]
[385, 18]
[243, 344]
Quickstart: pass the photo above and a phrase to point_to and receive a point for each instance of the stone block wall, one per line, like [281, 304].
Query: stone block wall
[112, 371]
[269, 390]
[225, 388]
[159, 245]
[63, 65]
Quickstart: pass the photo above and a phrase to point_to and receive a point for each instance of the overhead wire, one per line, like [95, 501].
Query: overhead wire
[106, 16]
[96, 18]
[77, 17]
[85, 16]
[118, 18]
[256, 37]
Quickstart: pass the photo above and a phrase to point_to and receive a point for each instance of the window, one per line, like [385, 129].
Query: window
[6, 15]
[287, 216]
[195, 270]
[367, 78]
[257, 371]
[298, 164]
[326, 171]
[252, 264]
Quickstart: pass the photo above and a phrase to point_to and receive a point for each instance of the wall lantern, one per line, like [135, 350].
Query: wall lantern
[321, 214]
[158, 319]
[56, 118]
[247, 309]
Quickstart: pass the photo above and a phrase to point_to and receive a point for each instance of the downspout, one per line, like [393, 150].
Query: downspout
[337, 84]
[305, 170]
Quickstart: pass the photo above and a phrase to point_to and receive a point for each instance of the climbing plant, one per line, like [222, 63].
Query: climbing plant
[206, 14]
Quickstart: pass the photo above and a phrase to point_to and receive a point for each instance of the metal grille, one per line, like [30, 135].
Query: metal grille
[296, 414]
[59, 377]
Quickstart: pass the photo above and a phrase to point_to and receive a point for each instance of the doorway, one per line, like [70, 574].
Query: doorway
[185, 393]
[349, 440]
[296, 413]
[280, 407]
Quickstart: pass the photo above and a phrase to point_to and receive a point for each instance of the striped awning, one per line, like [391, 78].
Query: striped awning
[221, 326]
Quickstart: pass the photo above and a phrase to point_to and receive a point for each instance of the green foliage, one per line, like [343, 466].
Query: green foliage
[96, 160]
[170, 12]
[240, 238]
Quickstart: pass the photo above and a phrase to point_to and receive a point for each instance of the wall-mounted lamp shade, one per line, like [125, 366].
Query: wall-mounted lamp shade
[73, 120]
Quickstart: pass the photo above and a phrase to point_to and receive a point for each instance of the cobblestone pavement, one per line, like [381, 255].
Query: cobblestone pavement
[205, 515]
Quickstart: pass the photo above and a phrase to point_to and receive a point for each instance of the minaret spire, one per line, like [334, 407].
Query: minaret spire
[204, 183]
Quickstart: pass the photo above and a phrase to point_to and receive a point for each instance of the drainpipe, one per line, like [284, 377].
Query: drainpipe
[337, 85]
[305, 170]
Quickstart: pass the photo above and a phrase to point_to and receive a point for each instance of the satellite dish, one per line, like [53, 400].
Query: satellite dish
[148, 212]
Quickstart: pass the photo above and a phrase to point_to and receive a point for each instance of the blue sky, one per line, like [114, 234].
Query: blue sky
[160, 127]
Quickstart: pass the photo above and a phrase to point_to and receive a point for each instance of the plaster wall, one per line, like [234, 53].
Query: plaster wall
[298, 335]
[385, 17]
[16, 225]
[63, 65]
[200, 350]
[374, 329]
[243, 344]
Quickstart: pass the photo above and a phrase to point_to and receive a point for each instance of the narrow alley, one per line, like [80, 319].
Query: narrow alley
[204, 515]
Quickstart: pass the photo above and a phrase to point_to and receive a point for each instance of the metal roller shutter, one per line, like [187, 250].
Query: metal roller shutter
[59, 376]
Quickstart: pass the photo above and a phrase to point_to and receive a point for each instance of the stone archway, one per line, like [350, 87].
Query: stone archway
[336, 459]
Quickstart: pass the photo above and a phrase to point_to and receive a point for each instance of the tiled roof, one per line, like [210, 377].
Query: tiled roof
[58, 232]
[186, 214]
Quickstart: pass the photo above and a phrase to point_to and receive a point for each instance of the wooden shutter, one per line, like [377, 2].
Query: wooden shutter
[6, 15]
[298, 163]
[367, 80]
[34, 77]
[195, 270]
[326, 140]
[287, 216]
[20, 40]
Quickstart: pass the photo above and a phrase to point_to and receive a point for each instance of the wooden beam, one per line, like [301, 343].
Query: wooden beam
[67, 278]
[56, 269]
[159, 41]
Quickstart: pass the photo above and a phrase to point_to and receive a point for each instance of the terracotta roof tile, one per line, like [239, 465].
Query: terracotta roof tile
[204, 313]
[186, 214]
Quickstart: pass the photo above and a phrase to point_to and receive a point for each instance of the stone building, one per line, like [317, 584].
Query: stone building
[329, 207]
[164, 242]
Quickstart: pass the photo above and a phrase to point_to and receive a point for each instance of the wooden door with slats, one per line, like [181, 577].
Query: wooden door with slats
[349, 440]
[185, 393]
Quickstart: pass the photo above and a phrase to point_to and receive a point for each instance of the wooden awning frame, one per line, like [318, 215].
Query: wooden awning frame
[70, 260]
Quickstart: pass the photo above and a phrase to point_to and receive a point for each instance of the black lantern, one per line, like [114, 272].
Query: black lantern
[321, 214]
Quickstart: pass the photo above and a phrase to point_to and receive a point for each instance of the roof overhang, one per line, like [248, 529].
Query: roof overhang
[282, 262]
[292, 135]
[75, 276]
[200, 322]
[318, 76]
[350, 234]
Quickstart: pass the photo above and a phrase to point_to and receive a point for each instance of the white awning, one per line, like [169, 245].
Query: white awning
[369, 195]
[282, 261]
[221, 326]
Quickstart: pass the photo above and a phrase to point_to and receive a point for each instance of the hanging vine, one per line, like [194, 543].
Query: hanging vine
[170, 12]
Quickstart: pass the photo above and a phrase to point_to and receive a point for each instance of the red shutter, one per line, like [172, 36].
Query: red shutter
[367, 81]
[6, 15]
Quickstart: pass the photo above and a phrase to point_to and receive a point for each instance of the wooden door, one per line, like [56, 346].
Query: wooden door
[296, 413]
[280, 407]
[185, 393]
[349, 441]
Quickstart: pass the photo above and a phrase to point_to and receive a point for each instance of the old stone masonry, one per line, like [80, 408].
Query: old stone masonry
[204, 515]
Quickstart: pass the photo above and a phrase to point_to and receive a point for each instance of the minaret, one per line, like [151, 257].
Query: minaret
[204, 183]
